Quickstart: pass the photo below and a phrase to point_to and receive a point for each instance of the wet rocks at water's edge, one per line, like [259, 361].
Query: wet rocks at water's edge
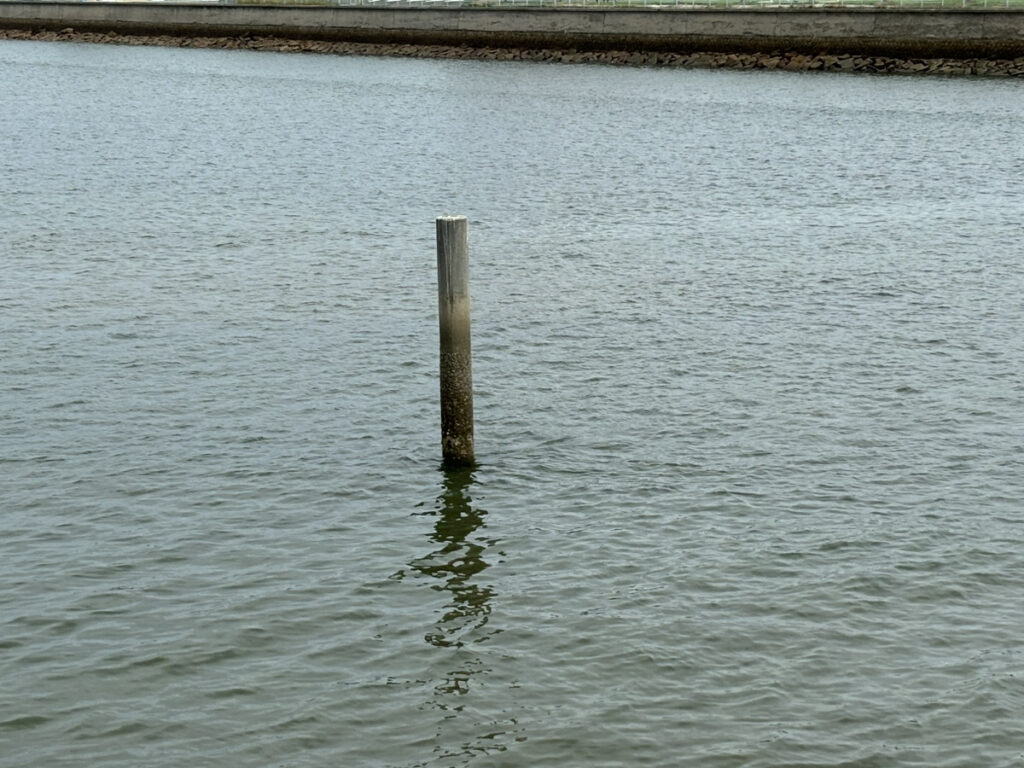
[788, 61]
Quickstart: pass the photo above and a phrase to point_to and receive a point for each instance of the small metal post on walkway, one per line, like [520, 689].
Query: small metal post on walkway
[456, 355]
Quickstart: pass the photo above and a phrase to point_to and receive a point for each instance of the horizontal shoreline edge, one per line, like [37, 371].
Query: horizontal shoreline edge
[780, 60]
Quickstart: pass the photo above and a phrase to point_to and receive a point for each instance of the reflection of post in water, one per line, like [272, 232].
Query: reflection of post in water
[457, 562]
[470, 726]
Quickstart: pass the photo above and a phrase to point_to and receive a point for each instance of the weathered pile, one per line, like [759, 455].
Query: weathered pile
[789, 61]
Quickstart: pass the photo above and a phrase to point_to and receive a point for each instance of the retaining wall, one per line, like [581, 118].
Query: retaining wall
[953, 33]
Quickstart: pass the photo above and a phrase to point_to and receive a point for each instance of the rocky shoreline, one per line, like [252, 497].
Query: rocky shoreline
[787, 61]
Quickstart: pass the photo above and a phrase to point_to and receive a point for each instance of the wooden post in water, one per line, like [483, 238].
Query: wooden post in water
[456, 355]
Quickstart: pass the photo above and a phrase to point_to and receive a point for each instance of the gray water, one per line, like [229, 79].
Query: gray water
[749, 387]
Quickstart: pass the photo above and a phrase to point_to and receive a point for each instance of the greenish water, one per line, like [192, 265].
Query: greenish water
[749, 391]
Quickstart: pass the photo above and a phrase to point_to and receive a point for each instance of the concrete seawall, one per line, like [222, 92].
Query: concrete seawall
[886, 32]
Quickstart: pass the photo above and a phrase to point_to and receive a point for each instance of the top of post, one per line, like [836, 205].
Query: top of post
[452, 259]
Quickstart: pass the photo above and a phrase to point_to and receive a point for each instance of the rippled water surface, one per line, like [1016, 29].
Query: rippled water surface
[750, 415]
